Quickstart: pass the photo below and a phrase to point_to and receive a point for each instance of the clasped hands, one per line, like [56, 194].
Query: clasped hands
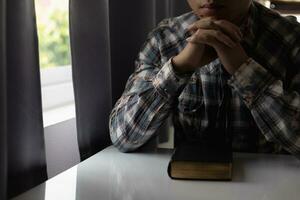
[211, 38]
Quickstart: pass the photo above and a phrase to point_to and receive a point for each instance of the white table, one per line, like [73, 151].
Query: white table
[111, 175]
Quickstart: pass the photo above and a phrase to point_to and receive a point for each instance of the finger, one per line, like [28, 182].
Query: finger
[205, 23]
[223, 38]
[211, 37]
[222, 25]
[227, 23]
[194, 38]
[230, 29]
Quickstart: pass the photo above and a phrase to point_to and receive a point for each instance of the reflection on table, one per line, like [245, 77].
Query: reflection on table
[111, 175]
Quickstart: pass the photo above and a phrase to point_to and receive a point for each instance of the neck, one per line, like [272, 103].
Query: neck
[240, 18]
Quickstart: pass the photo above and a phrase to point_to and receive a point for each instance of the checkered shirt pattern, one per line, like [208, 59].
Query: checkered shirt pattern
[265, 91]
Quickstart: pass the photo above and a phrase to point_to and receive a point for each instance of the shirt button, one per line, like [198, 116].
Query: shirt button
[166, 90]
[135, 142]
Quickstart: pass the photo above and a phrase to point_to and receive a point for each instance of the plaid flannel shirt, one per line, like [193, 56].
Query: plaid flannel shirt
[264, 105]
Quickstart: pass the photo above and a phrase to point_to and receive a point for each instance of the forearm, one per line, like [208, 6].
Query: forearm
[144, 107]
[275, 110]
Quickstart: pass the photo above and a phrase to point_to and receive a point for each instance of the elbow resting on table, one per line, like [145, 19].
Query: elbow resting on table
[120, 140]
[124, 147]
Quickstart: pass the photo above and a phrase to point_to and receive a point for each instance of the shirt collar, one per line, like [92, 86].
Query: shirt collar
[249, 26]
[191, 18]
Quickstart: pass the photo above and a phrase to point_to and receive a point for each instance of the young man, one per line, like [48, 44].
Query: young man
[232, 51]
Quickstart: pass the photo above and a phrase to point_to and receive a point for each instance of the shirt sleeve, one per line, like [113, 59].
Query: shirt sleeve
[147, 100]
[276, 110]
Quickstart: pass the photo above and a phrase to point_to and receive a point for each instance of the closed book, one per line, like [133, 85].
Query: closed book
[201, 161]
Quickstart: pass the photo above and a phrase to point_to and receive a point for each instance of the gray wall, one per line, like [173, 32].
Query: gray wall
[61, 147]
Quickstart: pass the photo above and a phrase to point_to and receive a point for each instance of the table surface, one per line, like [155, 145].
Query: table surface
[111, 175]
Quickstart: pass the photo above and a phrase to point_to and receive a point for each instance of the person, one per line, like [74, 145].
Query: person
[233, 50]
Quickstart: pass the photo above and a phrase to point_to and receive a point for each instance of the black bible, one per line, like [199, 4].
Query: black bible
[201, 161]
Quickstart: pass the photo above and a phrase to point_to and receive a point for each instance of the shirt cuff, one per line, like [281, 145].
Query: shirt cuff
[168, 83]
[250, 81]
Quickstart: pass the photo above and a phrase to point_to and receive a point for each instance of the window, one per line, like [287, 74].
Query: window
[55, 60]
[285, 7]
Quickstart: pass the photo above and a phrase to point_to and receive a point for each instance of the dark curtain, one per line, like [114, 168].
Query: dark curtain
[106, 36]
[23, 163]
[3, 135]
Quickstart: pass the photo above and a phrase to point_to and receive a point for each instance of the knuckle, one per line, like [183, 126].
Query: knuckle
[198, 33]
[197, 24]
[205, 36]
[196, 37]
[221, 22]
[210, 40]
[210, 23]
[210, 37]
[217, 33]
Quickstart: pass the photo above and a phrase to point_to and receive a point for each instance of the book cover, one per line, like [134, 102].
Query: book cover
[201, 161]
